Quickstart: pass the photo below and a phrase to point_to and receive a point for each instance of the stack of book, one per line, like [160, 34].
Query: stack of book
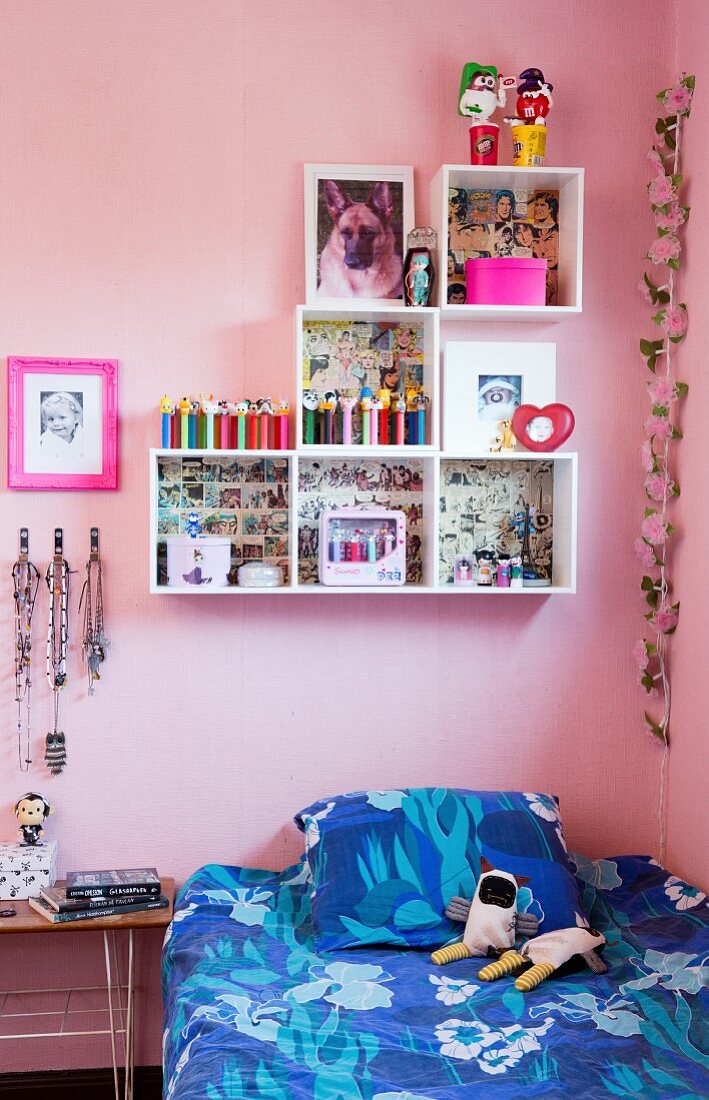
[90, 894]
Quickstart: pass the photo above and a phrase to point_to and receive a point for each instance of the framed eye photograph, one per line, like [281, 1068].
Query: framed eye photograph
[357, 219]
[62, 423]
[484, 383]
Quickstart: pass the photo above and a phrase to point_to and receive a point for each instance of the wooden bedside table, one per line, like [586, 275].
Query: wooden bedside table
[29, 921]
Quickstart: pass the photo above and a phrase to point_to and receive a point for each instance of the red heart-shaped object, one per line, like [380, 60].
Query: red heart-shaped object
[562, 424]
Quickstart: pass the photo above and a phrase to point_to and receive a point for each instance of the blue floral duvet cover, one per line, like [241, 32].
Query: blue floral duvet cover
[252, 1011]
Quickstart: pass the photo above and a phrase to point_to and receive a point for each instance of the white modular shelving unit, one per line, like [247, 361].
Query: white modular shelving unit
[561, 474]
[564, 466]
[427, 316]
[568, 182]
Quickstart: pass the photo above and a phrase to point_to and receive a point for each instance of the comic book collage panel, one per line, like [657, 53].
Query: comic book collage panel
[341, 357]
[346, 483]
[483, 507]
[519, 222]
[244, 499]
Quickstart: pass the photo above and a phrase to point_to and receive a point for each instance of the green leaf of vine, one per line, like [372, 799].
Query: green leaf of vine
[655, 729]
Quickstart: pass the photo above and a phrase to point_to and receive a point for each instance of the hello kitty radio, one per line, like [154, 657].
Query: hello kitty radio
[362, 546]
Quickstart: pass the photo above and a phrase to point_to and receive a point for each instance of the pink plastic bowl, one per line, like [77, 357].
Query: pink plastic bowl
[505, 281]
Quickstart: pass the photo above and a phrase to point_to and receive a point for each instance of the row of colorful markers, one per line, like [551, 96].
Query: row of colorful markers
[359, 545]
[220, 425]
[381, 420]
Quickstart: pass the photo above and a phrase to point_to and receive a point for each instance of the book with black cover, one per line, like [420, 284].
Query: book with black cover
[138, 882]
[45, 910]
[60, 903]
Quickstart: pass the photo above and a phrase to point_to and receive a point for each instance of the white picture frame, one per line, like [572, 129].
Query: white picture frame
[473, 405]
[362, 269]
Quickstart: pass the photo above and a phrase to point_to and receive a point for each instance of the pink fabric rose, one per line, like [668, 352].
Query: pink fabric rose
[661, 191]
[675, 321]
[647, 457]
[670, 219]
[678, 99]
[654, 529]
[658, 485]
[656, 161]
[663, 249]
[662, 391]
[658, 427]
[644, 553]
[645, 291]
[664, 619]
[640, 654]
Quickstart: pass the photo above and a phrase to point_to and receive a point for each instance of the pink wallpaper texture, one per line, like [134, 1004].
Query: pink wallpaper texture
[688, 760]
[151, 210]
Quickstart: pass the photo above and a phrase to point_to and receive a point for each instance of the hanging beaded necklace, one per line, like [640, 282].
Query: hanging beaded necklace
[25, 582]
[94, 642]
[57, 641]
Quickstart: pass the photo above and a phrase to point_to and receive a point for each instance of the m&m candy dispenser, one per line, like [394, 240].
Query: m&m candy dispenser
[362, 546]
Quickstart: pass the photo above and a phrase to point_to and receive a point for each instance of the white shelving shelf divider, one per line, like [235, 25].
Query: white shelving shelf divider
[568, 182]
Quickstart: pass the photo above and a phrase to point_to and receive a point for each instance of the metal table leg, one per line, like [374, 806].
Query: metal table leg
[128, 1035]
[109, 991]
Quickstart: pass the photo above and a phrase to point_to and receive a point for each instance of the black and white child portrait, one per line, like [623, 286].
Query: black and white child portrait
[61, 428]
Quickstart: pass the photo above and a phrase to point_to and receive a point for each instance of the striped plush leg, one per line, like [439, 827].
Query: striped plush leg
[450, 954]
[506, 964]
[534, 977]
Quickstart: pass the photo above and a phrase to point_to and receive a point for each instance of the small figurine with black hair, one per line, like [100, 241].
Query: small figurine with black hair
[30, 811]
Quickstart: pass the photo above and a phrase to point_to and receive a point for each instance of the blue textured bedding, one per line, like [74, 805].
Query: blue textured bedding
[252, 1011]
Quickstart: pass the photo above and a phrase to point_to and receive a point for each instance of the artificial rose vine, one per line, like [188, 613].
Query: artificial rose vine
[664, 391]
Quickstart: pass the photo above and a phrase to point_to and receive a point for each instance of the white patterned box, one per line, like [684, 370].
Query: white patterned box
[25, 870]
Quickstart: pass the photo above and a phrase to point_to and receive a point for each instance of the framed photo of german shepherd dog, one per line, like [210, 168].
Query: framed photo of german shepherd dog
[357, 218]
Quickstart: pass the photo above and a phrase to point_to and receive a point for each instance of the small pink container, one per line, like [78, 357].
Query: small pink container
[505, 281]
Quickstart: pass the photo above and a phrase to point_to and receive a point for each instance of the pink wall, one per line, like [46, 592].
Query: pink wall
[151, 210]
[688, 773]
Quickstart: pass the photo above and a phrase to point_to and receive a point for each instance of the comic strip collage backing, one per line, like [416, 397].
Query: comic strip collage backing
[345, 483]
[519, 222]
[482, 506]
[245, 499]
[344, 356]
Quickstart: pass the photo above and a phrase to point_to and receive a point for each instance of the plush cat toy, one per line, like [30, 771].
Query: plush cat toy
[547, 953]
[491, 919]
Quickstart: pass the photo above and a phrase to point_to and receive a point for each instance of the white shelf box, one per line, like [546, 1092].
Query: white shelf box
[313, 480]
[404, 339]
[244, 495]
[479, 499]
[568, 182]
[348, 477]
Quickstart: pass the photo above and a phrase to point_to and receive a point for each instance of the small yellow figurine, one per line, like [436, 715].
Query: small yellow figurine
[505, 440]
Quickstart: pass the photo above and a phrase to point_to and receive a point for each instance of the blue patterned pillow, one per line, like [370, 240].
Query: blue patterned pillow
[386, 863]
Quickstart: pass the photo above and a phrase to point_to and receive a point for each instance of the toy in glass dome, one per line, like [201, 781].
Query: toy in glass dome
[419, 272]
[482, 91]
[534, 102]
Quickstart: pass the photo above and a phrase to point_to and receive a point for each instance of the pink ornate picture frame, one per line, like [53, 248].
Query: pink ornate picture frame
[62, 423]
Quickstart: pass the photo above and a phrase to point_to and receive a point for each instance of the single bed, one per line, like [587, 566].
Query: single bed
[251, 1010]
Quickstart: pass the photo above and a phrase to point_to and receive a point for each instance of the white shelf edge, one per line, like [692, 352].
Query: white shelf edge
[518, 170]
[542, 314]
[187, 452]
[357, 590]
